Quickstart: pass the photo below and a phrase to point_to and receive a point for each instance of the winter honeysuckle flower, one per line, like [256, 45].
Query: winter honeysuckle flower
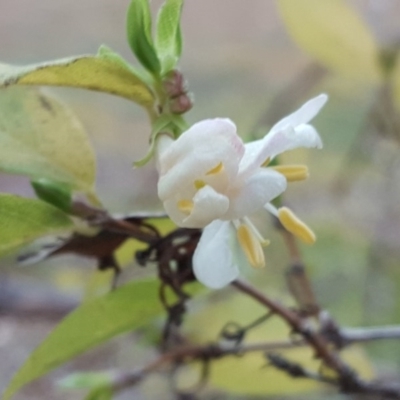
[210, 179]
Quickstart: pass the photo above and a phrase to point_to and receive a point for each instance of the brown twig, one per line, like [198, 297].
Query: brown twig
[347, 379]
[196, 352]
[297, 279]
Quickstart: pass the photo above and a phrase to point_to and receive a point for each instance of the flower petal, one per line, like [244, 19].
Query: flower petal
[213, 260]
[198, 150]
[207, 206]
[259, 189]
[289, 133]
[302, 136]
[303, 115]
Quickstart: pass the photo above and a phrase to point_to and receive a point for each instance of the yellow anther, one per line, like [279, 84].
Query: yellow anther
[216, 170]
[295, 226]
[199, 184]
[186, 206]
[293, 172]
[251, 246]
[266, 162]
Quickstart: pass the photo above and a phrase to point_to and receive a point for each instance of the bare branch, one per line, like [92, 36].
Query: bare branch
[353, 335]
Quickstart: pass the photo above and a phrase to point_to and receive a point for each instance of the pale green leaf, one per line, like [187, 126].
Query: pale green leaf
[101, 393]
[41, 138]
[138, 26]
[168, 37]
[333, 33]
[23, 220]
[101, 72]
[91, 324]
[87, 380]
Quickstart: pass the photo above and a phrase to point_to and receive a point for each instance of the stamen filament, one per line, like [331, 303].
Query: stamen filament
[272, 209]
[264, 242]
[293, 173]
[251, 246]
[185, 206]
[294, 225]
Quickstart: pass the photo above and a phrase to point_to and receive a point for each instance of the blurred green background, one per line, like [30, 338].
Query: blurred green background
[240, 62]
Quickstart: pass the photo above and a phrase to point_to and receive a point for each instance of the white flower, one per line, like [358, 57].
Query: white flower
[209, 179]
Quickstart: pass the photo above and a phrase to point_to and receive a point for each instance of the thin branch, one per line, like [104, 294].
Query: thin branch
[348, 380]
[353, 335]
[296, 277]
[298, 325]
[197, 352]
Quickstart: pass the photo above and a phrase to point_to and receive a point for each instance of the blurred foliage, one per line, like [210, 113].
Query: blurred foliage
[347, 47]
[23, 220]
[94, 322]
[41, 138]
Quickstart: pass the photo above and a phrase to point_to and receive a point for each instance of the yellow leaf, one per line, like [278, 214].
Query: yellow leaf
[104, 72]
[333, 33]
[41, 138]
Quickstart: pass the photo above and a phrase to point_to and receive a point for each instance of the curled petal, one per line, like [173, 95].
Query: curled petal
[207, 205]
[288, 134]
[198, 150]
[213, 263]
[303, 115]
[259, 189]
[288, 139]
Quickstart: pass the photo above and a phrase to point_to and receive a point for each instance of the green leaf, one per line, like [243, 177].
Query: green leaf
[104, 72]
[102, 393]
[87, 380]
[41, 138]
[169, 37]
[138, 26]
[23, 220]
[127, 308]
[333, 33]
[57, 194]
[165, 124]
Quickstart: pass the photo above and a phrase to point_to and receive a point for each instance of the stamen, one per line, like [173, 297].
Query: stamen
[199, 184]
[216, 170]
[185, 206]
[251, 246]
[264, 242]
[272, 209]
[266, 162]
[293, 172]
[295, 225]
